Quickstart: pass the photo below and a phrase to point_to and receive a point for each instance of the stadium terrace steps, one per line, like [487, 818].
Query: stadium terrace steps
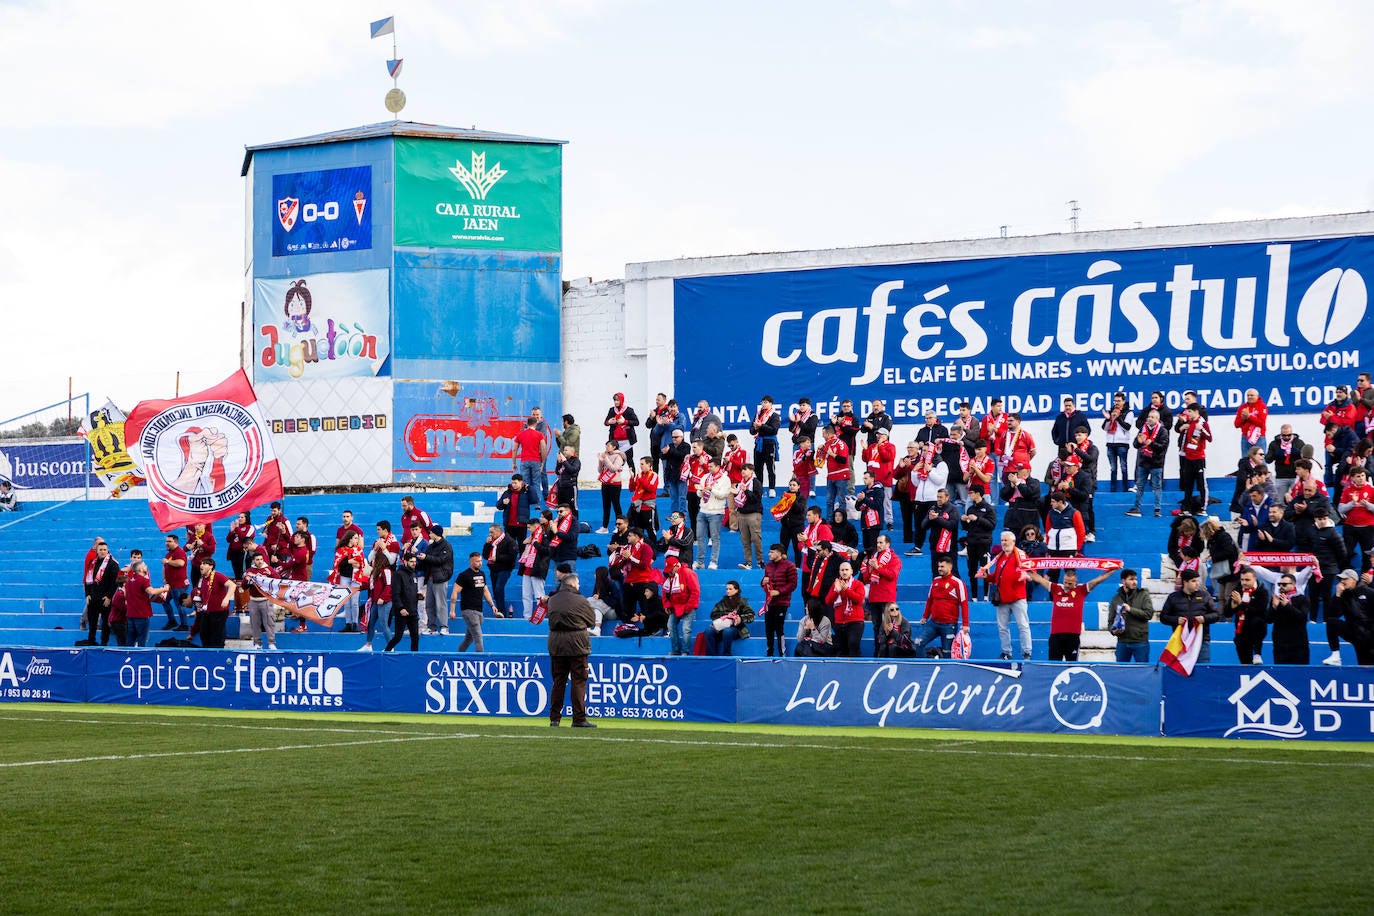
[39, 591]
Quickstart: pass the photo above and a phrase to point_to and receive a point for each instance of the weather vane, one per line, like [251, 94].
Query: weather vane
[395, 98]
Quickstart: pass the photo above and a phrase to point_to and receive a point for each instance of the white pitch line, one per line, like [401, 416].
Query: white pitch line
[233, 750]
[175, 723]
[917, 749]
[945, 747]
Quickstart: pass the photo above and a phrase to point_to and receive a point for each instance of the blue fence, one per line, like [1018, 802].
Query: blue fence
[1218, 701]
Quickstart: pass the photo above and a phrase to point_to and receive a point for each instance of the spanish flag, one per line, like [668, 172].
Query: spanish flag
[1182, 651]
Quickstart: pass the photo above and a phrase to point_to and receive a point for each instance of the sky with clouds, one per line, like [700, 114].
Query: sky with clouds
[693, 129]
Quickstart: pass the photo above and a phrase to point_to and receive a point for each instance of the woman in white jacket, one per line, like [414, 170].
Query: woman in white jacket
[715, 494]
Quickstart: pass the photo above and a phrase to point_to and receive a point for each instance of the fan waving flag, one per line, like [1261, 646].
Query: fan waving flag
[382, 27]
[1182, 651]
[206, 456]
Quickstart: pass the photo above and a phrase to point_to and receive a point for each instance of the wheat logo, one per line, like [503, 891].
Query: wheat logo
[478, 180]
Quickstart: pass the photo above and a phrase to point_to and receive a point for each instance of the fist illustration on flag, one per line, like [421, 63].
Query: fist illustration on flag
[202, 453]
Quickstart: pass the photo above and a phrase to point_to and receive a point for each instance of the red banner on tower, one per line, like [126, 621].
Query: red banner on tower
[207, 456]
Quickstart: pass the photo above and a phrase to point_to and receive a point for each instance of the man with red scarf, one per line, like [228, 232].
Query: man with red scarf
[880, 457]
[1251, 419]
[879, 573]
[803, 467]
[846, 598]
[993, 431]
[764, 429]
[1193, 439]
[838, 477]
[1248, 609]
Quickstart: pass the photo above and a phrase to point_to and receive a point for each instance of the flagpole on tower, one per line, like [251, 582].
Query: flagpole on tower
[395, 99]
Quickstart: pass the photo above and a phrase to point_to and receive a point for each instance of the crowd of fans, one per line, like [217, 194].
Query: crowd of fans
[839, 551]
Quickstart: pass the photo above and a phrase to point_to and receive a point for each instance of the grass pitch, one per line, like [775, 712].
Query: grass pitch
[120, 810]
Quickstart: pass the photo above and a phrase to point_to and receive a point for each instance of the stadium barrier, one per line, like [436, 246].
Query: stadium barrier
[1335, 704]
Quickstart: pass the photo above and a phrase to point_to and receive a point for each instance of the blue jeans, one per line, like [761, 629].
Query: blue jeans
[930, 629]
[498, 582]
[1117, 453]
[532, 588]
[537, 481]
[1132, 651]
[1155, 476]
[835, 493]
[718, 642]
[379, 621]
[172, 605]
[138, 631]
[1005, 613]
[680, 633]
[708, 528]
[677, 495]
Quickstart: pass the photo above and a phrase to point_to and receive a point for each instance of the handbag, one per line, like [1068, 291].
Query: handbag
[994, 594]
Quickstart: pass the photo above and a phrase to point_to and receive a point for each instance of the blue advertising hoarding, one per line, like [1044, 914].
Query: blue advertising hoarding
[48, 464]
[1280, 701]
[330, 682]
[324, 210]
[1287, 318]
[42, 676]
[645, 689]
[1087, 699]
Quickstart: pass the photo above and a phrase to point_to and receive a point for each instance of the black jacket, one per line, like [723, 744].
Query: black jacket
[1328, 547]
[984, 523]
[504, 555]
[439, 561]
[404, 593]
[1151, 454]
[631, 424]
[1179, 605]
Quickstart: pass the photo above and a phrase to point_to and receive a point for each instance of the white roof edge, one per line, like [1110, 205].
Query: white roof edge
[1285, 228]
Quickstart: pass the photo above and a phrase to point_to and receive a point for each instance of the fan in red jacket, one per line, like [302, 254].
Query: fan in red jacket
[879, 573]
[1004, 569]
[681, 595]
[1251, 419]
[779, 582]
[846, 598]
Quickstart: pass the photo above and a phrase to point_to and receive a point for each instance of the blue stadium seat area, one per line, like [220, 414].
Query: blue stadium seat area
[41, 561]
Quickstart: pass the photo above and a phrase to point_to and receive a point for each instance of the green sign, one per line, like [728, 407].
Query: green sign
[467, 194]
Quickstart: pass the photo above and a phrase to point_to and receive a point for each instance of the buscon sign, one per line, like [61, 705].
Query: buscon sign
[469, 194]
[1288, 318]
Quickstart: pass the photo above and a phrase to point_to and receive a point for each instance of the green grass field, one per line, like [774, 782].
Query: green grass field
[119, 810]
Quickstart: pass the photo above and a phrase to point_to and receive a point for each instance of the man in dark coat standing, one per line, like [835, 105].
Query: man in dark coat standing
[570, 617]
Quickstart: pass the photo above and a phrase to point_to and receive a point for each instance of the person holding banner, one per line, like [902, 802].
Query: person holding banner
[262, 624]
[1009, 594]
[1066, 615]
[1192, 602]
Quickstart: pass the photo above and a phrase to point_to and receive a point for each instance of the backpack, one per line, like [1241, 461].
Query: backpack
[588, 551]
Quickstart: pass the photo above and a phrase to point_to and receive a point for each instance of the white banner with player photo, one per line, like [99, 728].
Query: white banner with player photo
[317, 602]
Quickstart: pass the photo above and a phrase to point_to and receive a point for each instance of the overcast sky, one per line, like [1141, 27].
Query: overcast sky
[693, 129]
